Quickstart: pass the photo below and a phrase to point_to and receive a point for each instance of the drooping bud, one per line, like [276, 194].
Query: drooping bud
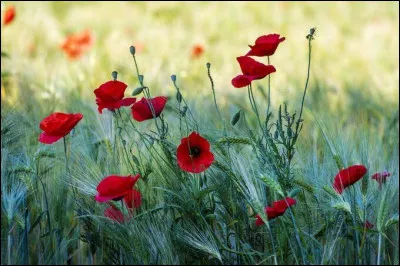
[137, 91]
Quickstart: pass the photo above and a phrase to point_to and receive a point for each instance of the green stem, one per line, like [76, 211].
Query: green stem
[269, 90]
[147, 94]
[356, 244]
[215, 99]
[254, 106]
[9, 241]
[124, 144]
[305, 87]
[378, 259]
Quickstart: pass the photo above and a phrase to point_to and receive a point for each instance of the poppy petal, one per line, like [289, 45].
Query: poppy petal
[127, 101]
[48, 139]
[240, 81]
[114, 187]
[348, 177]
[141, 110]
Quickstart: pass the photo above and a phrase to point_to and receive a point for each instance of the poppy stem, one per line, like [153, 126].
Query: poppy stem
[124, 142]
[254, 106]
[378, 259]
[146, 92]
[215, 99]
[269, 90]
[184, 101]
[356, 243]
[305, 87]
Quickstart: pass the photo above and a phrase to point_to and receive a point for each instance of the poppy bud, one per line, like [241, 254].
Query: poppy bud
[289, 132]
[132, 49]
[114, 75]
[141, 78]
[184, 109]
[137, 91]
[235, 118]
[208, 65]
[173, 78]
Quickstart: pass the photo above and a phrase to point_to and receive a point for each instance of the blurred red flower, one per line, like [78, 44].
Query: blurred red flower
[194, 154]
[197, 51]
[133, 199]
[9, 15]
[141, 110]
[278, 208]
[252, 70]
[265, 45]
[57, 125]
[115, 187]
[110, 95]
[114, 213]
[381, 177]
[76, 44]
[348, 177]
[368, 225]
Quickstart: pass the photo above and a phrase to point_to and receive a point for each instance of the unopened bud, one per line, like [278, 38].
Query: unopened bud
[173, 77]
[208, 65]
[132, 49]
[114, 75]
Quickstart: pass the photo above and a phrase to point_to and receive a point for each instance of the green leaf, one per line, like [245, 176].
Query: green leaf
[382, 212]
[37, 221]
[393, 220]
[293, 193]
[272, 184]
[4, 54]
[342, 206]
[304, 185]
[234, 140]
[331, 192]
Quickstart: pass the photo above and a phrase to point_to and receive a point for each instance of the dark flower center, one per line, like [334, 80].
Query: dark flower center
[119, 198]
[195, 151]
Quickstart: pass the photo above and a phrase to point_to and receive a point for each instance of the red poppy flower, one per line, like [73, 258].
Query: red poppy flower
[278, 208]
[114, 213]
[368, 225]
[194, 154]
[348, 177]
[141, 110]
[133, 199]
[57, 125]
[9, 15]
[381, 177]
[115, 187]
[76, 44]
[252, 70]
[197, 50]
[110, 95]
[265, 45]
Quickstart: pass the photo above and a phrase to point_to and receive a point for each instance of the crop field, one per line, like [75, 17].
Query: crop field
[207, 133]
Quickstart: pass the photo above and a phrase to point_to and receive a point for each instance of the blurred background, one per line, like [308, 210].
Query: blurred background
[355, 53]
